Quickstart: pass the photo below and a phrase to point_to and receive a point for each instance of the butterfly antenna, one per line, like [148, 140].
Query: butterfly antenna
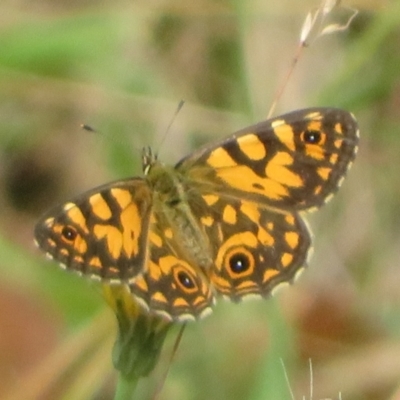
[171, 359]
[88, 128]
[180, 105]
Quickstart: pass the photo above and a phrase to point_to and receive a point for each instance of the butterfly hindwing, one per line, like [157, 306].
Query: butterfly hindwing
[254, 247]
[171, 285]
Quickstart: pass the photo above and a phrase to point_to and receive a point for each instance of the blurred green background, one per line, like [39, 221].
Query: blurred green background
[122, 67]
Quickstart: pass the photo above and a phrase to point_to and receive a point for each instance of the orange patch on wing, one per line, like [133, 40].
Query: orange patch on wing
[277, 171]
[100, 206]
[285, 134]
[210, 199]
[265, 238]
[76, 216]
[78, 259]
[245, 179]
[155, 239]
[324, 172]
[286, 259]
[220, 283]
[95, 262]
[220, 158]
[315, 151]
[141, 284]
[180, 302]
[338, 143]
[114, 270]
[80, 244]
[251, 211]
[113, 237]
[245, 285]
[229, 214]
[159, 297]
[333, 159]
[292, 239]
[338, 128]
[252, 146]
[168, 233]
[289, 219]
[198, 300]
[154, 271]
[314, 125]
[122, 196]
[64, 252]
[268, 274]
[131, 229]
[317, 190]
[207, 221]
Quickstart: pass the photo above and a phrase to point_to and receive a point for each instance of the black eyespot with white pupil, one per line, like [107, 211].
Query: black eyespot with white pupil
[186, 280]
[69, 233]
[312, 136]
[239, 263]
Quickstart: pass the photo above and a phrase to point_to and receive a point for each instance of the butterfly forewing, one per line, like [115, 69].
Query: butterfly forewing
[291, 162]
[102, 233]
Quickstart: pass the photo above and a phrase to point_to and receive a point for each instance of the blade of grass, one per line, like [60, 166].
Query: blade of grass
[43, 377]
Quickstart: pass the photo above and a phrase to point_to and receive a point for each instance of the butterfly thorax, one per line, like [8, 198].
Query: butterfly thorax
[174, 216]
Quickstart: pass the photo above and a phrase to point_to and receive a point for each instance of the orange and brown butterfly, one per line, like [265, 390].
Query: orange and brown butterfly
[226, 220]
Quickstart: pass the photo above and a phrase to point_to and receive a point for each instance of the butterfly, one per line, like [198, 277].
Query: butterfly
[226, 220]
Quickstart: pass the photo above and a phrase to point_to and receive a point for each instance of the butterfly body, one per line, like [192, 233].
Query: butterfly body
[226, 220]
[172, 199]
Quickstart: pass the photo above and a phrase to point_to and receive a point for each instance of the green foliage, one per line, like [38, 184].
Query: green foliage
[124, 68]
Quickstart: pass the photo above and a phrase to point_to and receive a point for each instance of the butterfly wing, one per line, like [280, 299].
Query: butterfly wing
[255, 249]
[171, 286]
[111, 233]
[295, 161]
[102, 233]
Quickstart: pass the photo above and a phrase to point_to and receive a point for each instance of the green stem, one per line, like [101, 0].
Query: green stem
[125, 387]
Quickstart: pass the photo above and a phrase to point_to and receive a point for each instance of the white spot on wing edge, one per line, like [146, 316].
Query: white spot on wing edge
[252, 296]
[279, 287]
[62, 266]
[277, 123]
[49, 221]
[95, 277]
[206, 312]
[68, 206]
